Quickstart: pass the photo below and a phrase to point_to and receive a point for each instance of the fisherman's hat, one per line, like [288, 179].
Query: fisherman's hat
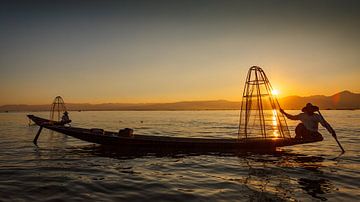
[310, 108]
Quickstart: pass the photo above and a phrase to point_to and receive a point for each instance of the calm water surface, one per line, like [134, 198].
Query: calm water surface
[66, 169]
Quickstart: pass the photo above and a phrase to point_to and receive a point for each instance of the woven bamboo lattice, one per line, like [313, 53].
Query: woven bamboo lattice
[57, 109]
[260, 115]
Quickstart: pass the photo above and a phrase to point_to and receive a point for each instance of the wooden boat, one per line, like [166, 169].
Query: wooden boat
[257, 98]
[147, 142]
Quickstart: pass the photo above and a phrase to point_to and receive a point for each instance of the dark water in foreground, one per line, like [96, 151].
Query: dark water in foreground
[65, 169]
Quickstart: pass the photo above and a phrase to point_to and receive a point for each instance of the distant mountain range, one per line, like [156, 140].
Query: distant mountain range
[342, 100]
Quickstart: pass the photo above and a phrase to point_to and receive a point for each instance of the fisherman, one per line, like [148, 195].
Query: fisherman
[65, 118]
[308, 128]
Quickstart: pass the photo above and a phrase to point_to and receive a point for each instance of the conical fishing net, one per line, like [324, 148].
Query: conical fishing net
[57, 109]
[260, 115]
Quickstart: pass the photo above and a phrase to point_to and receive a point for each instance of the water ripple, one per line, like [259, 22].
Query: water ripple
[66, 169]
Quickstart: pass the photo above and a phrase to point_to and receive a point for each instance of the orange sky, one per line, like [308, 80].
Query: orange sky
[107, 52]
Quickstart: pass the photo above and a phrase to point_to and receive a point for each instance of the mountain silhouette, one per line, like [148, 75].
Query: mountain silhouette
[341, 100]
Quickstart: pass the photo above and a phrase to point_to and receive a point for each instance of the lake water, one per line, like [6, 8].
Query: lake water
[66, 169]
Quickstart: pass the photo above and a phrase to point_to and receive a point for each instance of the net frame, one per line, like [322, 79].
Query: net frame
[260, 115]
[57, 109]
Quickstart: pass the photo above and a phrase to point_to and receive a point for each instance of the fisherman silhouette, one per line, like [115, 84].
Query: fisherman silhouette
[65, 118]
[308, 128]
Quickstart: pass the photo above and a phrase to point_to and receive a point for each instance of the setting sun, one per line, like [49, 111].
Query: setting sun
[275, 92]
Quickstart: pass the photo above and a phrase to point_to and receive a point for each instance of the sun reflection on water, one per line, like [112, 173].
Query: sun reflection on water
[275, 124]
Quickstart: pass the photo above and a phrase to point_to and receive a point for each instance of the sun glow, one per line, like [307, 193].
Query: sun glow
[275, 92]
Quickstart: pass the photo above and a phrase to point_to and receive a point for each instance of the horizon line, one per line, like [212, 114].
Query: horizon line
[170, 102]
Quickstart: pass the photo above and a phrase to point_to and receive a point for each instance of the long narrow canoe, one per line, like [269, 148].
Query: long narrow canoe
[168, 143]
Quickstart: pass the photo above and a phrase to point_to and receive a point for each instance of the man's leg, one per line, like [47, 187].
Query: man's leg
[317, 136]
[300, 130]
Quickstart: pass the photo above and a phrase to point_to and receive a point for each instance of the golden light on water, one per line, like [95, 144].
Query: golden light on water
[275, 124]
[276, 133]
[274, 118]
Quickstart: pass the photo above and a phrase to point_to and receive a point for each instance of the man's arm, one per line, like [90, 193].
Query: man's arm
[326, 125]
[289, 116]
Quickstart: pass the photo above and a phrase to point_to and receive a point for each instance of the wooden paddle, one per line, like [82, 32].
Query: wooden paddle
[333, 134]
[37, 135]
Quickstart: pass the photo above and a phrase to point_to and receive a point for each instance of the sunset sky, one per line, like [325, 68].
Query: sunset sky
[165, 51]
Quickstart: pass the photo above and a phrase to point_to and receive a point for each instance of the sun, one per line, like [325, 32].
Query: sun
[275, 92]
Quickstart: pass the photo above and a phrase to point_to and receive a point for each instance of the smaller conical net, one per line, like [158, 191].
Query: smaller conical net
[260, 115]
[57, 109]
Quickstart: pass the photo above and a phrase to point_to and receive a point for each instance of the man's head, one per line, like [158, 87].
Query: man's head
[310, 109]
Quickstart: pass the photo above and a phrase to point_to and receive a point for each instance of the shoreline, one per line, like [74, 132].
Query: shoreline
[151, 110]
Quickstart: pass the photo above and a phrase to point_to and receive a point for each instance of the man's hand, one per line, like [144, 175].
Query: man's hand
[282, 111]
